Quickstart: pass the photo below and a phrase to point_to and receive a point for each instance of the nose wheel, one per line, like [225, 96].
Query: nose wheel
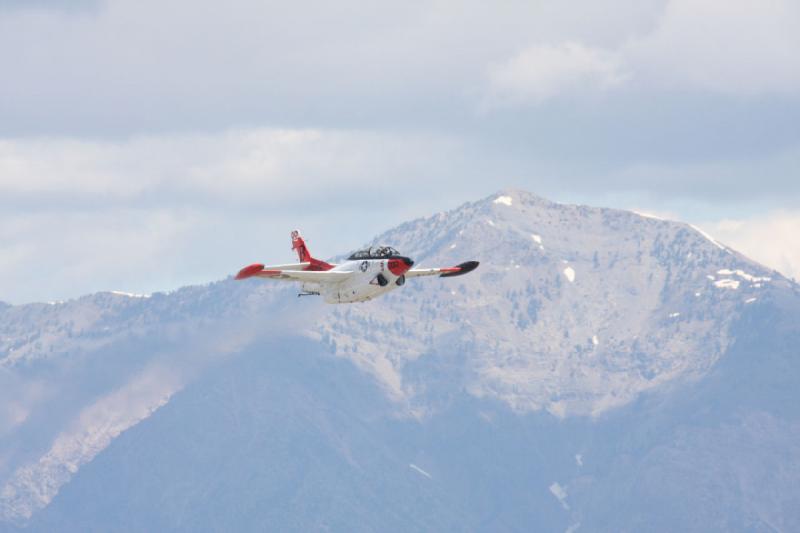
[380, 279]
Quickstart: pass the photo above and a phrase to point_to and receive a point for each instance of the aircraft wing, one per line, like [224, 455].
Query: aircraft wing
[447, 272]
[290, 266]
[291, 274]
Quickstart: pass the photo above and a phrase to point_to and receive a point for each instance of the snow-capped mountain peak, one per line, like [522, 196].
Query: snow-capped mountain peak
[596, 350]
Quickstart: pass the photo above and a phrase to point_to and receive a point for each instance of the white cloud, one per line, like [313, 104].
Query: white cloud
[223, 165]
[61, 251]
[745, 47]
[541, 72]
[263, 165]
[359, 100]
[744, 178]
[155, 212]
[772, 239]
[45, 166]
[145, 63]
[737, 47]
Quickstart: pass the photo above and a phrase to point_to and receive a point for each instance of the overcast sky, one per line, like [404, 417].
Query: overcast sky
[145, 145]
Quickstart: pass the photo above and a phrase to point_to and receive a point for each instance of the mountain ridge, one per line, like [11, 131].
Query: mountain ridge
[598, 339]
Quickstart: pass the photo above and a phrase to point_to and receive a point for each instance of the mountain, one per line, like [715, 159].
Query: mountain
[600, 371]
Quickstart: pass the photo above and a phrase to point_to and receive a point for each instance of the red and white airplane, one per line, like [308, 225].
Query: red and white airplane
[365, 275]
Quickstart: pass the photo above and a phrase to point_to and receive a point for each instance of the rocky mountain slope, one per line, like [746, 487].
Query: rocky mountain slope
[575, 309]
[601, 371]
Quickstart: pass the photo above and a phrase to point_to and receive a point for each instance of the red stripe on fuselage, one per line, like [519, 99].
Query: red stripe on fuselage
[318, 265]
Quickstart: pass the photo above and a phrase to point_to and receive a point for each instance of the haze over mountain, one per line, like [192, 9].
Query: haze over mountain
[601, 371]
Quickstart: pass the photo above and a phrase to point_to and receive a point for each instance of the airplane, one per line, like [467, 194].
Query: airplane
[365, 275]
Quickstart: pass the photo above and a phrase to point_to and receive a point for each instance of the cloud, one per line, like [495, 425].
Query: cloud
[744, 47]
[67, 254]
[772, 239]
[47, 166]
[746, 181]
[541, 72]
[187, 126]
[145, 66]
[262, 167]
[65, 6]
[156, 212]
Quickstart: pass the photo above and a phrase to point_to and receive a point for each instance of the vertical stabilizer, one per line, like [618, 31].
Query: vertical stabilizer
[300, 245]
[304, 255]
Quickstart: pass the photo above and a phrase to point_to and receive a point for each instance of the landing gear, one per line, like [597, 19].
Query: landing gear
[401, 281]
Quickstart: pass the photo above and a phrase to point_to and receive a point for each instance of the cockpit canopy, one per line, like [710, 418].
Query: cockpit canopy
[375, 252]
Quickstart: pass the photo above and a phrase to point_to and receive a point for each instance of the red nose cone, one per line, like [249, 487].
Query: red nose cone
[400, 266]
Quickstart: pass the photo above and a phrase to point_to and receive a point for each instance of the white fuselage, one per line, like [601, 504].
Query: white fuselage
[363, 285]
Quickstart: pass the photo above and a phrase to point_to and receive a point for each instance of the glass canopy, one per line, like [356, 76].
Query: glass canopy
[375, 252]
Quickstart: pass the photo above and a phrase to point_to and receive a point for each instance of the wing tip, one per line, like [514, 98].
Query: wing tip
[460, 270]
[249, 271]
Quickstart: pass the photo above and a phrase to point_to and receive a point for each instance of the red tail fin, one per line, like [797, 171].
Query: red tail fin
[305, 256]
[300, 245]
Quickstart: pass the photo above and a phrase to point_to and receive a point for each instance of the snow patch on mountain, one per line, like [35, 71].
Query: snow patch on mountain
[420, 471]
[708, 237]
[560, 494]
[645, 214]
[727, 283]
[744, 275]
[130, 294]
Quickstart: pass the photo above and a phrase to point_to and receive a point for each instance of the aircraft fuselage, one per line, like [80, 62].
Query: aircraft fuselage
[372, 278]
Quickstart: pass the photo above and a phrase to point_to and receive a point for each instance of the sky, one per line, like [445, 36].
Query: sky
[148, 145]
